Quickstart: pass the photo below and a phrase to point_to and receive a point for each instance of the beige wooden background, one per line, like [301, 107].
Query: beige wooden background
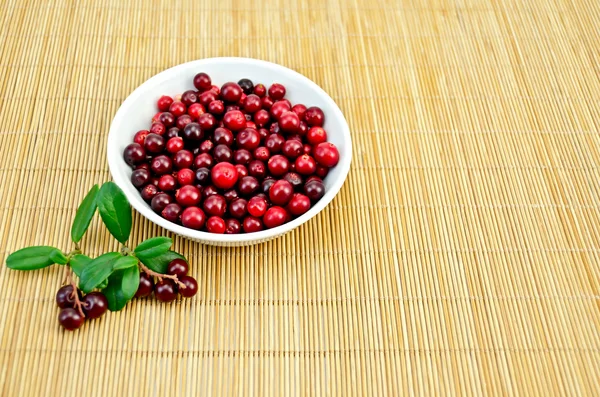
[461, 256]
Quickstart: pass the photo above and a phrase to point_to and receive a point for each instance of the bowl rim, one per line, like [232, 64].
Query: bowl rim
[114, 157]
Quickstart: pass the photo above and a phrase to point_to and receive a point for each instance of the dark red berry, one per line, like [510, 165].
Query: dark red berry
[278, 109]
[247, 139]
[191, 285]
[178, 267]
[165, 291]
[177, 108]
[248, 185]
[289, 122]
[222, 153]
[231, 92]
[257, 206]
[299, 109]
[172, 212]
[203, 160]
[257, 169]
[224, 175]
[161, 165]
[160, 201]
[314, 190]
[299, 204]
[207, 97]
[266, 102]
[252, 224]
[206, 146]
[234, 120]
[202, 82]
[189, 97]
[95, 305]
[314, 116]
[232, 226]
[293, 148]
[167, 119]
[266, 184]
[186, 177]
[242, 170]
[188, 196]
[321, 171]
[145, 287]
[237, 208]
[252, 104]
[174, 145]
[207, 122]
[154, 143]
[305, 165]
[262, 117]
[274, 143]
[216, 107]
[215, 224]
[158, 128]
[172, 132]
[316, 135]
[196, 110]
[203, 176]
[140, 178]
[222, 136]
[183, 159]
[134, 154]
[230, 195]
[262, 153]
[140, 137]
[281, 192]
[275, 216]
[183, 121]
[148, 192]
[193, 132]
[167, 183]
[242, 156]
[260, 90]
[70, 319]
[302, 129]
[295, 180]
[276, 91]
[65, 297]
[164, 102]
[278, 165]
[193, 218]
[326, 154]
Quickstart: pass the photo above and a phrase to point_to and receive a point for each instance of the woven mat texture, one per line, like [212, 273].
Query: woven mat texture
[460, 257]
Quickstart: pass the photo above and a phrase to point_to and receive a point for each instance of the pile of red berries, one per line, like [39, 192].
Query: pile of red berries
[75, 307]
[234, 159]
[166, 289]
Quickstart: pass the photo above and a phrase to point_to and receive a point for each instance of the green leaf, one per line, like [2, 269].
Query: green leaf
[153, 247]
[159, 263]
[84, 214]
[103, 284]
[78, 263]
[59, 257]
[115, 211]
[122, 286]
[31, 258]
[125, 262]
[97, 271]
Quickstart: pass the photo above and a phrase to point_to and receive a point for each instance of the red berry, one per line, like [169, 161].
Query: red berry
[289, 122]
[278, 109]
[299, 109]
[316, 135]
[299, 204]
[257, 169]
[178, 267]
[191, 285]
[165, 291]
[215, 205]
[257, 206]
[203, 160]
[260, 90]
[222, 136]
[207, 97]
[248, 185]
[196, 110]
[70, 319]
[160, 201]
[183, 159]
[242, 156]
[167, 119]
[275, 216]
[314, 190]
[207, 122]
[222, 153]
[314, 117]
[278, 165]
[167, 183]
[224, 175]
[202, 82]
[321, 171]
[193, 132]
[189, 97]
[307, 149]
[148, 192]
[154, 143]
[216, 107]
[252, 104]
[274, 143]
[248, 139]
[188, 196]
[327, 154]
[172, 132]
[242, 170]
[305, 165]
[232, 226]
[262, 153]
[206, 147]
[215, 224]
[177, 108]
[161, 165]
[65, 297]
[234, 120]
[293, 148]
[174, 145]
[183, 121]
[95, 305]
[262, 117]
[185, 177]
[237, 208]
[266, 102]
[172, 212]
[281, 192]
[145, 287]
[140, 137]
[231, 92]
[140, 177]
[276, 91]
[193, 217]
[252, 224]
[164, 102]
[134, 153]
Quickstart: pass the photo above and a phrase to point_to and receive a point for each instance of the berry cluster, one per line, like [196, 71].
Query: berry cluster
[175, 281]
[234, 159]
[75, 307]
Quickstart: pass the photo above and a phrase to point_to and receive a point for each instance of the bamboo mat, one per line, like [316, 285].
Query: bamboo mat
[461, 256]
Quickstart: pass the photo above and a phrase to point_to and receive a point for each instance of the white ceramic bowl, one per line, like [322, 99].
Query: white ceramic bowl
[137, 110]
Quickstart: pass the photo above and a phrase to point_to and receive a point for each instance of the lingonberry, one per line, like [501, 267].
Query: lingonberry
[248, 185]
[143, 166]
[203, 160]
[193, 217]
[172, 212]
[189, 97]
[193, 132]
[307, 148]
[252, 224]
[183, 159]
[261, 153]
[161, 165]
[177, 108]
[160, 201]
[231, 108]
[209, 191]
[207, 97]
[274, 143]
[276, 91]
[155, 117]
[248, 139]
[183, 121]
[145, 287]
[165, 290]
[178, 267]
[313, 178]
[298, 205]
[295, 180]
[172, 132]
[261, 117]
[299, 109]
[242, 156]
[230, 195]
[196, 110]
[174, 145]
[207, 122]
[305, 165]
[314, 117]
[326, 154]
[215, 224]
[257, 169]
[158, 128]
[275, 216]
[167, 119]
[289, 122]
[242, 170]
[257, 206]
[94, 305]
[232, 226]
[266, 102]
[185, 177]
[321, 171]
[215, 205]
[148, 192]
[191, 285]
[222, 136]
[252, 104]
[237, 208]
[139, 178]
[164, 102]
[234, 120]
[263, 132]
[302, 129]
[292, 148]
[70, 319]
[222, 153]
[314, 190]
[154, 143]
[281, 192]
[278, 165]
[266, 184]
[316, 135]
[278, 109]
[202, 81]
[224, 175]
[216, 107]
[203, 176]
[140, 137]
[65, 297]
[231, 92]
[134, 154]
[206, 146]
[188, 196]
[260, 90]
[246, 85]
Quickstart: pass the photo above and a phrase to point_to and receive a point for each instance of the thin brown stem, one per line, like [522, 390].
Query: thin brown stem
[74, 294]
[160, 276]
